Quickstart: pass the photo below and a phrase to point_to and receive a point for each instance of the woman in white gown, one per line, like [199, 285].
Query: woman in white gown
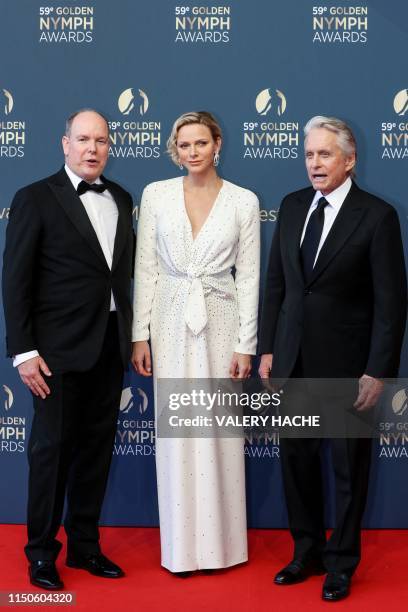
[202, 323]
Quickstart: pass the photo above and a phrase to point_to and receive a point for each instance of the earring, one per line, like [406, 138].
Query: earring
[216, 159]
[180, 165]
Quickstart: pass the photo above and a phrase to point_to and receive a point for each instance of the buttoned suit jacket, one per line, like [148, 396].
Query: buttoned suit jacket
[349, 319]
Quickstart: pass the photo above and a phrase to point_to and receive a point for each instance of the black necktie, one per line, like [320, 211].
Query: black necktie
[312, 237]
[83, 187]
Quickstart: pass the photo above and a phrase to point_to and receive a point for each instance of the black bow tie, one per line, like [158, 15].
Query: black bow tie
[83, 187]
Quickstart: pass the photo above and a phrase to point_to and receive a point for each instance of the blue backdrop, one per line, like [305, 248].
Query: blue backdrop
[263, 68]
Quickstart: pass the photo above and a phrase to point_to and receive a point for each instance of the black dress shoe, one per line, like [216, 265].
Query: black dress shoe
[298, 570]
[44, 574]
[97, 564]
[336, 586]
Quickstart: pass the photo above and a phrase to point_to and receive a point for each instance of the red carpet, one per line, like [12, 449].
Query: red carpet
[380, 583]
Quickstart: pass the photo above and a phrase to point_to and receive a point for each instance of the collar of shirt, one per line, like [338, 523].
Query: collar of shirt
[75, 179]
[103, 219]
[336, 197]
[335, 200]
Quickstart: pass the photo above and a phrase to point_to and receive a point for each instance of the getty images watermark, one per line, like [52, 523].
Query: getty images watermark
[232, 402]
[295, 408]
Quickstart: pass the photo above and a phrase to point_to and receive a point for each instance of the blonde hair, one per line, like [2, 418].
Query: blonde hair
[200, 117]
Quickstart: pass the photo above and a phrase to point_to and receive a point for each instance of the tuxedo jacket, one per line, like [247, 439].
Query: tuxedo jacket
[349, 319]
[56, 281]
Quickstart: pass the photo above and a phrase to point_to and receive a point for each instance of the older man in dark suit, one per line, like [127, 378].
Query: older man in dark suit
[66, 283]
[334, 307]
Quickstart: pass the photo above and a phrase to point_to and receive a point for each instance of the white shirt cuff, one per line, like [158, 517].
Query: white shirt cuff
[22, 357]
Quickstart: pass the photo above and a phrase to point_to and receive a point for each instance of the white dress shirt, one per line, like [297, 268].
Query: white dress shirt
[335, 201]
[103, 214]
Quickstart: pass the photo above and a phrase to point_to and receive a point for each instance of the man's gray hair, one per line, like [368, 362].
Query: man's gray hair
[345, 136]
[70, 120]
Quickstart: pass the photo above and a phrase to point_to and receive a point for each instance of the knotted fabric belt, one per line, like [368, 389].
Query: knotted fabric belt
[195, 313]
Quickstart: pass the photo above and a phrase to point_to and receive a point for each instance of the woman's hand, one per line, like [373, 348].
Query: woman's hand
[240, 366]
[141, 359]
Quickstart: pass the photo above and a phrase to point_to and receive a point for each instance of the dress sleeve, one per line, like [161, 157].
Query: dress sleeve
[146, 266]
[247, 275]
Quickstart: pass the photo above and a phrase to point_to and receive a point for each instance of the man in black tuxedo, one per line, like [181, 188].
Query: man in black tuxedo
[334, 307]
[66, 285]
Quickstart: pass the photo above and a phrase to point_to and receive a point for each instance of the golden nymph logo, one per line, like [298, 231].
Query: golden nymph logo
[340, 24]
[129, 136]
[263, 136]
[264, 445]
[128, 401]
[126, 101]
[66, 24]
[12, 133]
[400, 403]
[9, 401]
[394, 132]
[401, 102]
[8, 102]
[265, 100]
[12, 428]
[135, 432]
[394, 433]
[202, 24]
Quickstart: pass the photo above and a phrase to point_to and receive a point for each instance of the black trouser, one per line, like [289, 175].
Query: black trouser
[302, 470]
[70, 451]
[302, 480]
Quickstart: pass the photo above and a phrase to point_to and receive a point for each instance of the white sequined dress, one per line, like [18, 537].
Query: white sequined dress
[196, 315]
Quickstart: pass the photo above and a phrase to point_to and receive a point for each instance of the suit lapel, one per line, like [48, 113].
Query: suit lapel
[294, 234]
[122, 226]
[71, 203]
[347, 220]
